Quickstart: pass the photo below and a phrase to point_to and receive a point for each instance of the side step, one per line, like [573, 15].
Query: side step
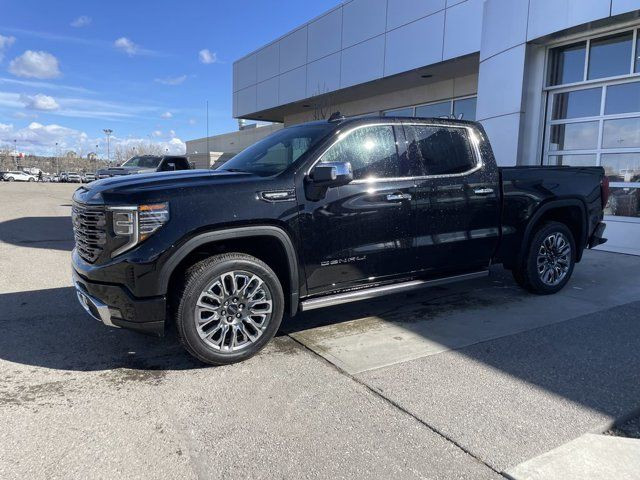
[365, 293]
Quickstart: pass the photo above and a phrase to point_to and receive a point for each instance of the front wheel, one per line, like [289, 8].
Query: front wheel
[231, 306]
[549, 260]
[32, 180]
[10, 179]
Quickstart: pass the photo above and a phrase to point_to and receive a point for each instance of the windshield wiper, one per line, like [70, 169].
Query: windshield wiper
[236, 170]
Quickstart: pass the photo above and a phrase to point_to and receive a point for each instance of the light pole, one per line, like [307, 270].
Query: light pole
[15, 152]
[108, 132]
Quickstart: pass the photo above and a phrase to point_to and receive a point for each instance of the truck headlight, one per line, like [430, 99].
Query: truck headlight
[137, 223]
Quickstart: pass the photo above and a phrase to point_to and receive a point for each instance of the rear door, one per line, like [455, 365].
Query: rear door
[361, 232]
[456, 198]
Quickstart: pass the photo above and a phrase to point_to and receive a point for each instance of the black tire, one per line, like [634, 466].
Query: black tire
[31, 180]
[197, 278]
[528, 275]
[10, 179]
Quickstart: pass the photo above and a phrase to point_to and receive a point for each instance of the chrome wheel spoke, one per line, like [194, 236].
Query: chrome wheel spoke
[233, 311]
[554, 259]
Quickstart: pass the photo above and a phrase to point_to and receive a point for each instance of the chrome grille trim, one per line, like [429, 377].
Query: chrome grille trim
[89, 230]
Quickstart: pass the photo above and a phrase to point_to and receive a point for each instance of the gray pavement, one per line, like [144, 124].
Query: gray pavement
[481, 378]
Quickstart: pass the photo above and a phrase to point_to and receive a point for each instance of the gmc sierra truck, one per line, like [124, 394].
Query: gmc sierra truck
[146, 164]
[321, 214]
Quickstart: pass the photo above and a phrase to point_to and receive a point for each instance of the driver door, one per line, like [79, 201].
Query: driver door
[361, 232]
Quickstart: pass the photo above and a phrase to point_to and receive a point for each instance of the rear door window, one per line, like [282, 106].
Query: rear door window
[440, 150]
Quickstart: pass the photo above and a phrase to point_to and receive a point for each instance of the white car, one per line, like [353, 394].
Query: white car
[17, 176]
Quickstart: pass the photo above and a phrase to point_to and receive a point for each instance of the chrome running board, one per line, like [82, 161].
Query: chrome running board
[365, 293]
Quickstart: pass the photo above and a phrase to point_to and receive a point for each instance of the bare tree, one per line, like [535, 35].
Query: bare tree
[323, 105]
[125, 152]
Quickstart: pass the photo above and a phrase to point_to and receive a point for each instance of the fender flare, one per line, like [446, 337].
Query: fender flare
[553, 204]
[239, 232]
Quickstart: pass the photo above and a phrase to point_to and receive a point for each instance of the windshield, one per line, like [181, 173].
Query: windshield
[276, 152]
[143, 162]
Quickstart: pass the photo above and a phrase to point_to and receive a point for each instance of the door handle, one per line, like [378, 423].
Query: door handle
[483, 191]
[398, 197]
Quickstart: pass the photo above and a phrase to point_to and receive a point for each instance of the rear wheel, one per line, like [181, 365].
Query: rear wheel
[10, 179]
[32, 179]
[549, 261]
[231, 306]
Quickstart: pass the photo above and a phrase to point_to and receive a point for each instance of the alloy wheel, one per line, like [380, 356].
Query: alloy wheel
[233, 311]
[554, 259]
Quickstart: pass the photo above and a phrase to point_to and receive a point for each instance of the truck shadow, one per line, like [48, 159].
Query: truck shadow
[55, 233]
[48, 328]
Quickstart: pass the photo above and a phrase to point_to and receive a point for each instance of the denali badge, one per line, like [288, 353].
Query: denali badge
[343, 260]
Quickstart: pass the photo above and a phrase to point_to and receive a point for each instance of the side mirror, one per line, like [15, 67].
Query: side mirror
[332, 174]
[327, 175]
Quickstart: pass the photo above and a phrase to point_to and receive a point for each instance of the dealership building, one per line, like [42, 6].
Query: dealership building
[554, 82]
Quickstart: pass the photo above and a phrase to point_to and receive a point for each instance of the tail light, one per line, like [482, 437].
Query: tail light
[605, 191]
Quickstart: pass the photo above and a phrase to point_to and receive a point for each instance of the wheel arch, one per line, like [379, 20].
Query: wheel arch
[571, 212]
[216, 238]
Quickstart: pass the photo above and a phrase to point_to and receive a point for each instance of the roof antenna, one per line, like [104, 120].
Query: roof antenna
[335, 117]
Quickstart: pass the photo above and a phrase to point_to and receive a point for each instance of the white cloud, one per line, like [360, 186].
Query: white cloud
[207, 56]
[166, 115]
[171, 80]
[5, 43]
[157, 133]
[37, 136]
[126, 45]
[39, 102]
[35, 65]
[20, 114]
[81, 21]
[172, 133]
[192, 121]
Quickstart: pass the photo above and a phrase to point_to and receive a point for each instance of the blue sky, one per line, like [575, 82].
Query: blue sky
[69, 69]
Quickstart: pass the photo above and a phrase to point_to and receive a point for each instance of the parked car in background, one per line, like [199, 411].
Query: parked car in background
[73, 177]
[321, 214]
[89, 177]
[147, 164]
[17, 176]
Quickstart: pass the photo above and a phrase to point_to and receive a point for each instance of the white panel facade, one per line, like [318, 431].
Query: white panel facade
[624, 6]
[267, 94]
[501, 132]
[401, 12]
[504, 26]
[267, 61]
[246, 100]
[293, 50]
[323, 75]
[463, 29]
[427, 33]
[246, 72]
[293, 85]
[500, 83]
[549, 16]
[363, 62]
[325, 35]
[363, 19]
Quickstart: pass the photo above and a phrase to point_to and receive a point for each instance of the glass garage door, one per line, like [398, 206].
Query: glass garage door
[595, 120]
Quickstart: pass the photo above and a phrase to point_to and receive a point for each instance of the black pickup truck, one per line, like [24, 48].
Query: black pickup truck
[321, 214]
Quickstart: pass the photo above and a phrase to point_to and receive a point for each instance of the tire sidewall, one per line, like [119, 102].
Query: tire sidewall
[532, 267]
[186, 321]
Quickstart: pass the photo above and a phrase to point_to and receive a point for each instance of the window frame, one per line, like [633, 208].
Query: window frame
[471, 135]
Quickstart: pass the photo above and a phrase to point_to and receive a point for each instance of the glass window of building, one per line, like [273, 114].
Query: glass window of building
[623, 98]
[577, 104]
[399, 112]
[435, 110]
[465, 109]
[610, 56]
[566, 64]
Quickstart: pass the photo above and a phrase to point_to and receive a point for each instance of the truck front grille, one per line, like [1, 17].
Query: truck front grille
[89, 230]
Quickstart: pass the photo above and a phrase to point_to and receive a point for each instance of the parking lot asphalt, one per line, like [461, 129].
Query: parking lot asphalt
[464, 381]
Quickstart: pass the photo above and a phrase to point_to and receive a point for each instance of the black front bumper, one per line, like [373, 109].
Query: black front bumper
[114, 306]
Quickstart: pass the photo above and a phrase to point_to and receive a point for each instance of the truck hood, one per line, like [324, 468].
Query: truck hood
[95, 192]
